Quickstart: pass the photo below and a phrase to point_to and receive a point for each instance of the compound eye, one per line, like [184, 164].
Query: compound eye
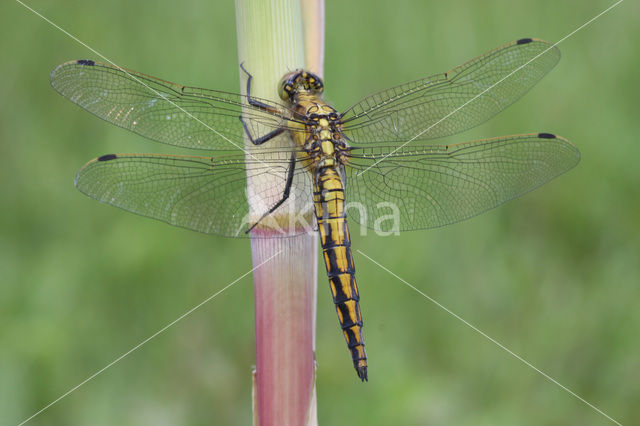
[286, 87]
[285, 90]
[319, 86]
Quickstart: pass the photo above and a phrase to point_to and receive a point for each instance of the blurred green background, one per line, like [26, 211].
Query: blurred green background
[554, 276]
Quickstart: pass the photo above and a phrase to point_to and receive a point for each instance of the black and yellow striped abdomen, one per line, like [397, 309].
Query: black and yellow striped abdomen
[329, 203]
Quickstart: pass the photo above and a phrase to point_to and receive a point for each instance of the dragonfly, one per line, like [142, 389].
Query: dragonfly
[306, 160]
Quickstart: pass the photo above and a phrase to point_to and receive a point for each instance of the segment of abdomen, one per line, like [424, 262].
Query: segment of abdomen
[329, 203]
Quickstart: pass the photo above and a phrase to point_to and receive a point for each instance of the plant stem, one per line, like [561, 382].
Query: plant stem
[270, 44]
[313, 19]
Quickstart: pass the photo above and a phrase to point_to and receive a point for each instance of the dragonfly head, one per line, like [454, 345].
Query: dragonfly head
[299, 81]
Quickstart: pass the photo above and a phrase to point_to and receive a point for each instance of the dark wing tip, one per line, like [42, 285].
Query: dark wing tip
[107, 157]
[524, 41]
[546, 136]
[87, 62]
[362, 373]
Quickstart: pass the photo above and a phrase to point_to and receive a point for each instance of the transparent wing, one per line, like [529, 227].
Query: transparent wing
[205, 194]
[163, 111]
[438, 185]
[448, 103]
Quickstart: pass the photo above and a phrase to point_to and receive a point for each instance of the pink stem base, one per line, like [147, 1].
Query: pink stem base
[285, 303]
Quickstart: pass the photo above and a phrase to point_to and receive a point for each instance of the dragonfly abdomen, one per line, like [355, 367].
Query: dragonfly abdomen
[336, 247]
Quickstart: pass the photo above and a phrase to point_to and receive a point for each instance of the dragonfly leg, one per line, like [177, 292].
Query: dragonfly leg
[261, 139]
[285, 194]
[262, 106]
[252, 101]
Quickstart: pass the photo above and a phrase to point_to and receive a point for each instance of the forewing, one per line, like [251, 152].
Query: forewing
[205, 194]
[166, 112]
[451, 102]
[438, 185]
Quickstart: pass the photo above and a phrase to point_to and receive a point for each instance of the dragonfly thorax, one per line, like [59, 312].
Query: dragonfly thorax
[297, 82]
[324, 142]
